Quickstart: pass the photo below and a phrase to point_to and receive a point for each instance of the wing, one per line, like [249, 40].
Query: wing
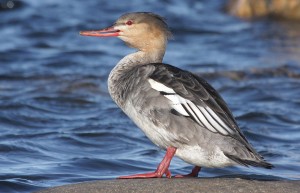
[193, 97]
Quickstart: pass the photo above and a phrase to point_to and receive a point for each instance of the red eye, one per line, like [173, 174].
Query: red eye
[129, 22]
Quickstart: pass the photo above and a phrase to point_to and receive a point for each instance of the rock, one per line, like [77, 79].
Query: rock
[282, 9]
[179, 185]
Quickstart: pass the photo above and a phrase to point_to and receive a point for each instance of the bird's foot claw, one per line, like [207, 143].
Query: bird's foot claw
[147, 175]
[193, 174]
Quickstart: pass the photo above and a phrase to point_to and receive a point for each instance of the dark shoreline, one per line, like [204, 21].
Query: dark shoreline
[178, 185]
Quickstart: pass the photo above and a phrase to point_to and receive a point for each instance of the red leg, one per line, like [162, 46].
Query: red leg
[194, 173]
[163, 167]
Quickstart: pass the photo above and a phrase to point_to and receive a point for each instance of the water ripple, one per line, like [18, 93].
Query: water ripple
[58, 124]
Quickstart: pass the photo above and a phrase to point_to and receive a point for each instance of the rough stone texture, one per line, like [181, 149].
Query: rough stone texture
[178, 185]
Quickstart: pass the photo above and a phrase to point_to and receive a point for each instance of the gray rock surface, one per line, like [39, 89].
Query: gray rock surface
[178, 185]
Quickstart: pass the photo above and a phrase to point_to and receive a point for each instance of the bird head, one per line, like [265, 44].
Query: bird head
[144, 31]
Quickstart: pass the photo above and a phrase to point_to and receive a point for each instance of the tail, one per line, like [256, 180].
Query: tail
[258, 163]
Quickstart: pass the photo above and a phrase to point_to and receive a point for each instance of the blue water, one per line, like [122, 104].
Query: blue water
[58, 124]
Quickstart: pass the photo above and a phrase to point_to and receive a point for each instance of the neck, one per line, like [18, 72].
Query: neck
[141, 57]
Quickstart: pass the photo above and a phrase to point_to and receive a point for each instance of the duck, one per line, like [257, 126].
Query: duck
[178, 111]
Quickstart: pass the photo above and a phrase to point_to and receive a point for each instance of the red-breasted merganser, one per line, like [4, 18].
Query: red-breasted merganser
[176, 109]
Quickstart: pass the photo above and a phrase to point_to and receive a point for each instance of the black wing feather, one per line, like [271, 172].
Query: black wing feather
[201, 93]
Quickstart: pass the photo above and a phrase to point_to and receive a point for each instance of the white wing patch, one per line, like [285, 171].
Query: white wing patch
[160, 87]
[203, 115]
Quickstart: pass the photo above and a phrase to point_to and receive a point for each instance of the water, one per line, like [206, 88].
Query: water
[58, 124]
